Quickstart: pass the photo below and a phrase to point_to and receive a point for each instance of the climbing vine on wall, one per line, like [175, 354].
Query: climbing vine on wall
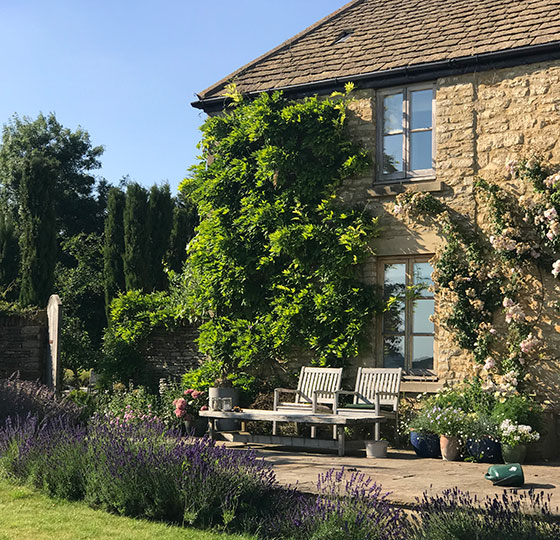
[492, 280]
[275, 265]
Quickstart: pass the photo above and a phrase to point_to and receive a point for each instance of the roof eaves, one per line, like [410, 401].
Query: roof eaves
[285, 44]
[411, 73]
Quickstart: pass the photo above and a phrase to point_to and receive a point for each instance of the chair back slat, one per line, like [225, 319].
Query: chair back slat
[311, 379]
[385, 382]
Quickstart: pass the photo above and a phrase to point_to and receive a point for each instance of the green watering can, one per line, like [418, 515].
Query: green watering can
[510, 475]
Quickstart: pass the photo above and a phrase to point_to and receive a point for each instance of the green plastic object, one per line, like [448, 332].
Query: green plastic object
[510, 475]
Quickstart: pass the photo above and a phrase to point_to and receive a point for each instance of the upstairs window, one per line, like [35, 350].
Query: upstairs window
[406, 133]
[407, 331]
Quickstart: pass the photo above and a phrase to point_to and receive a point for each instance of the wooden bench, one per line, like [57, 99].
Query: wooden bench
[316, 392]
[339, 422]
[375, 388]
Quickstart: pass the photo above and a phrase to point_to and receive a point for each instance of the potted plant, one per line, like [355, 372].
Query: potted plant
[186, 409]
[515, 438]
[423, 437]
[449, 424]
[482, 435]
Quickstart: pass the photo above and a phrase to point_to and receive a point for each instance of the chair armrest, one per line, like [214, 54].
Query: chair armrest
[315, 396]
[278, 391]
[342, 393]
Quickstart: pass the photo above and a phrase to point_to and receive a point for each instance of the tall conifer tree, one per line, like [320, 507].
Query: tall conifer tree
[136, 239]
[9, 257]
[38, 229]
[113, 249]
[185, 220]
[161, 222]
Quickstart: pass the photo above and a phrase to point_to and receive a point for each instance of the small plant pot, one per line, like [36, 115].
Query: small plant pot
[376, 449]
[514, 454]
[485, 450]
[196, 427]
[426, 445]
[450, 448]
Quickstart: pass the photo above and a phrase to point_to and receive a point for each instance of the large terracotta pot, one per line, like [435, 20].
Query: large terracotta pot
[450, 448]
[514, 454]
[426, 445]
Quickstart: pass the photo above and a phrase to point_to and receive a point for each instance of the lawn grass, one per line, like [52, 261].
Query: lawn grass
[26, 514]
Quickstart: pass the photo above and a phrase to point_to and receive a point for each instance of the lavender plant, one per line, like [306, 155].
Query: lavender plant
[459, 515]
[349, 506]
[20, 398]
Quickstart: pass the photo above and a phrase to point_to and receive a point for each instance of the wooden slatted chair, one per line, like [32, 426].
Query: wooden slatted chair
[374, 384]
[316, 392]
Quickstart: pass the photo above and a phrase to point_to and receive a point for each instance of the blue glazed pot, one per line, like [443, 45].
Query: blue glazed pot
[485, 450]
[426, 445]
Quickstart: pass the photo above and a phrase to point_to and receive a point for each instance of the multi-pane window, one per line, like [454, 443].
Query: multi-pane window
[407, 331]
[406, 134]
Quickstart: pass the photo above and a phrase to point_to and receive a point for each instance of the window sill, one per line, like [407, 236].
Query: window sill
[420, 387]
[389, 189]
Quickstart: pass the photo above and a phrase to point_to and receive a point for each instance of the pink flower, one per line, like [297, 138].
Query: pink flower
[180, 403]
[204, 408]
[196, 394]
[179, 413]
[189, 392]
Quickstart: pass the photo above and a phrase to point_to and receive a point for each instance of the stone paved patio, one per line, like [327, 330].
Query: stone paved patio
[405, 475]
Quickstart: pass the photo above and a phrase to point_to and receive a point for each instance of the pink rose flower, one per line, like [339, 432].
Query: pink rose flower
[189, 392]
[181, 403]
[204, 408]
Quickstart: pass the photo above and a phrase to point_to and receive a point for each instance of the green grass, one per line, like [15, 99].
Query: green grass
[26, 514]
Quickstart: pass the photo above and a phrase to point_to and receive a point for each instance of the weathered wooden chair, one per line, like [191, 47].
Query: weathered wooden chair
[316, 392]
[376, 388]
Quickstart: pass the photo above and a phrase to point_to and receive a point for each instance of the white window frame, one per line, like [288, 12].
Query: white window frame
[408, 333]
[406, 174]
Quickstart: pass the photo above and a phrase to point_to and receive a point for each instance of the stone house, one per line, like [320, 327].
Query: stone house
[446, 91]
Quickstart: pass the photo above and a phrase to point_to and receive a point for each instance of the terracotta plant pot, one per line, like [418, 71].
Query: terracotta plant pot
[450, 448]
[514, 454]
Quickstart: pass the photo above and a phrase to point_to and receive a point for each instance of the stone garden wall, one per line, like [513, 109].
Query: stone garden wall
[23, 346]
[482, 120]
[170, 353]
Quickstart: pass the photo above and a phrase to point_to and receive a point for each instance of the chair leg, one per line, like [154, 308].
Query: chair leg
[313, 431]
[274, 427]
[334, 432]
[396, 429]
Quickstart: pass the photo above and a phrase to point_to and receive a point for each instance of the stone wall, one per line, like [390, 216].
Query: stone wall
[482, 121]
[169, 353]
[23, 346]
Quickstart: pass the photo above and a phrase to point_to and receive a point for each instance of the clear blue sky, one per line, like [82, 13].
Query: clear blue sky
[127, 70]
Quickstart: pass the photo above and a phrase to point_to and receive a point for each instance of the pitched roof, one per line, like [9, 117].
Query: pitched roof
[384, 35]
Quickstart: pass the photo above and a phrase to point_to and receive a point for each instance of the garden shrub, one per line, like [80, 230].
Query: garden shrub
[349, 506]
[22, 398]
[461, 516]
[520, 409]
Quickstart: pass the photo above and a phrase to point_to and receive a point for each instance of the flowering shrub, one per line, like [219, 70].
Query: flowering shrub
[514, 434]
[498, 266]
[21, 398]
[187, 407]
[349, 506]
[508, 516]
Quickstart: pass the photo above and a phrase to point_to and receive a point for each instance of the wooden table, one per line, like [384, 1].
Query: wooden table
[300, 417]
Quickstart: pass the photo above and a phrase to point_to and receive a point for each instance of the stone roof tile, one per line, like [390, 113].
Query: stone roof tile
[391, 34]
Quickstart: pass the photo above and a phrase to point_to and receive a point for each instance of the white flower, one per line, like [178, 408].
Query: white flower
[556, 268]
[397, 209]
[550, 214]
[489, 364]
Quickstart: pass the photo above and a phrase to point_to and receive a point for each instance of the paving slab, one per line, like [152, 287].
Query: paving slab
[405, 476]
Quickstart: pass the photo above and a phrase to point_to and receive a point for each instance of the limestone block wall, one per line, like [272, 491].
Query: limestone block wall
[23, 346]
[170, 353]
[482, 121]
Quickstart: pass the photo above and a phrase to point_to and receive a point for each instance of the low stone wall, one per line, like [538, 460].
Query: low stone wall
[169, 353]
[23, 346]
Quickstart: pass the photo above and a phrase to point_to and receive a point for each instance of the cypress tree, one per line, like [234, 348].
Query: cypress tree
[161, 222]
[136, 239]
[38, 229]
[113, 248]
[9, 256]
[185, 220]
